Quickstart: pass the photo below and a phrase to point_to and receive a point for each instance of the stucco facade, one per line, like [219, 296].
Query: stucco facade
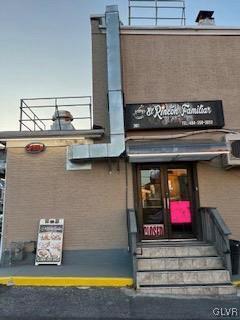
[186, 64]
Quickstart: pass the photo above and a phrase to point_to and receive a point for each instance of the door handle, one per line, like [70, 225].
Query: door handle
[166, 202]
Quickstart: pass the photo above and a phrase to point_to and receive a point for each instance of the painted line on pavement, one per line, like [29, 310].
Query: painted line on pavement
[66, 281]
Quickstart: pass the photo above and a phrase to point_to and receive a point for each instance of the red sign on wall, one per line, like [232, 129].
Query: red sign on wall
[36, 147]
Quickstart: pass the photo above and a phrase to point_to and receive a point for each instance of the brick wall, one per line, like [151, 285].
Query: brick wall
[92, 202]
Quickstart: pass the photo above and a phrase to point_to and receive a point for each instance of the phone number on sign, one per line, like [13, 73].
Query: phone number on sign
[197, 122]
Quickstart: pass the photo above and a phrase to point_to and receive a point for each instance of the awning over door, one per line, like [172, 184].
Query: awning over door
[174, 150]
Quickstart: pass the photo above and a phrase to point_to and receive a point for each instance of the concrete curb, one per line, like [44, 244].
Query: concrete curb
[66, 281]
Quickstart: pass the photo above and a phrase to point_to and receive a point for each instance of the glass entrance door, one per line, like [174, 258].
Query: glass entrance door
[152, 205]
[166, 201]
[179, 202]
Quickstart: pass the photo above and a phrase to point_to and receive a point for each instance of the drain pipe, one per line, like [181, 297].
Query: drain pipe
[115, 98]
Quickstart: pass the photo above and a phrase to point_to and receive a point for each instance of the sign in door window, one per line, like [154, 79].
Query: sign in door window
[180, 205]
[152, 204]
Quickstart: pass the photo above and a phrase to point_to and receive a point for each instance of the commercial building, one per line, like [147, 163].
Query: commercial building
[144, 175]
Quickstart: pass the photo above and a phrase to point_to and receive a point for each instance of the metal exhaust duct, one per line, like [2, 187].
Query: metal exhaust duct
[117, 138]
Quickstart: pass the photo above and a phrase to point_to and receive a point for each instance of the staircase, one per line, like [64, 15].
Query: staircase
[181, 267]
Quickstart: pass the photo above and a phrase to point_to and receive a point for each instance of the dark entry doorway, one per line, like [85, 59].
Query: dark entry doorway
[166, 202]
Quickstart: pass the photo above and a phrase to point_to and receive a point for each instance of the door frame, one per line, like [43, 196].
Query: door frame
[194, 194]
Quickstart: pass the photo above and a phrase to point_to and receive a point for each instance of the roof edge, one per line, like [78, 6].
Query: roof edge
[8, 135]
[190, 27]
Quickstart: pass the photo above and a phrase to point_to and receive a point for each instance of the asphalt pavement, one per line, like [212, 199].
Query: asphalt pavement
[38, 303]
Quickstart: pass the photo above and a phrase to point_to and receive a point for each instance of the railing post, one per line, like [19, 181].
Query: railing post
[156, 12]
[203, 220]
[208, 226]
[213, 232]
[129, 12]
[132, 236]
[228, 261]
[20, 121]
[91, 112]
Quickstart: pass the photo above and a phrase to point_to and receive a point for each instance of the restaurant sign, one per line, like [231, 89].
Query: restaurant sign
[204, 114]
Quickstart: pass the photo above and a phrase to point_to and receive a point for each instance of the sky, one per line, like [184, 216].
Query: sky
[45, 46]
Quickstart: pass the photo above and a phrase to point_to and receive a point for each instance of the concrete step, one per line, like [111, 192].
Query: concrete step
[156, 278]
[187, 242]
[198, 290]
[176, 251]
[180, 263]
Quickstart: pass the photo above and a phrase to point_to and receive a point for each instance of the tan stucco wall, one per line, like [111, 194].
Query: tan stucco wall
[168, 67]
[172, 68]
[92, 202]
[220, 188]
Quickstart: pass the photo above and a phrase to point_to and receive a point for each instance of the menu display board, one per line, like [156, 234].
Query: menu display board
[50, 242]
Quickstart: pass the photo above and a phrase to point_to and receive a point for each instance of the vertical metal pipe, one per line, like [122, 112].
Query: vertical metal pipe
[156, 12]
[183, 22]
[20, 121]
[91, 112]
[129, 12]
[57, 111]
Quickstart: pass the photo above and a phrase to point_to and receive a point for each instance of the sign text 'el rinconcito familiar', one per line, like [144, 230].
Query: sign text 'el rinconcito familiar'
[205, 114]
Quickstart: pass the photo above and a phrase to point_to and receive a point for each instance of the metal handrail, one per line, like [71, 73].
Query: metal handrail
[157, 7]
[217, 232]
[32, 119]
[132, 239]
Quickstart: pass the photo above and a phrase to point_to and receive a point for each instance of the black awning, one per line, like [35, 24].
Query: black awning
[174, 150]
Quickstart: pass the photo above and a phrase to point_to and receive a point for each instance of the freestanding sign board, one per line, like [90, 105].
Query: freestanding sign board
[171, 115]
[50, 241]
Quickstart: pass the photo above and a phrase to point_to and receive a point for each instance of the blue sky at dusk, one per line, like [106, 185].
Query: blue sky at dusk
[46, 48]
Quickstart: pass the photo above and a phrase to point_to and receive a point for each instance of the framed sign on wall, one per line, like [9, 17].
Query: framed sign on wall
[174, 115]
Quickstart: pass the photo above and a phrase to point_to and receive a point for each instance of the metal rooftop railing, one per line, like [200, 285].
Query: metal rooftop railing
[158, 12]
[37, 114]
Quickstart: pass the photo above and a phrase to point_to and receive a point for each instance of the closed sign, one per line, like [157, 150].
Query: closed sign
[153, 230]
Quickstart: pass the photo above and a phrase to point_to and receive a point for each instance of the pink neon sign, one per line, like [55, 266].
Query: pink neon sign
[180, 212]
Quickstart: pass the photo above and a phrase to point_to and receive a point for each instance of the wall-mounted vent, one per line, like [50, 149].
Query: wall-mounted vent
[233, 144]
[235, 149]
[205, 18]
